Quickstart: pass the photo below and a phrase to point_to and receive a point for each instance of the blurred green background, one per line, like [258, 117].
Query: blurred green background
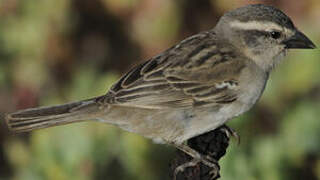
[56, 51]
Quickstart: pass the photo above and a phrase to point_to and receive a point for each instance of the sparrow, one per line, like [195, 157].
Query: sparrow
[191, 88]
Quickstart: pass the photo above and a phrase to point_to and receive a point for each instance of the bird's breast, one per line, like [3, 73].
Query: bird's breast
[252, 84]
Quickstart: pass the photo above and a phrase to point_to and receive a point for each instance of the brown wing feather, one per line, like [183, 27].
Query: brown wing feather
[195, 72]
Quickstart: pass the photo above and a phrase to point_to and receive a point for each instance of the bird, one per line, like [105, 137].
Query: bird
[191, 88]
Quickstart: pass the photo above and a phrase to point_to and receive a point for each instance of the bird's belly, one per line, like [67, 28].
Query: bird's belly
[208, 119]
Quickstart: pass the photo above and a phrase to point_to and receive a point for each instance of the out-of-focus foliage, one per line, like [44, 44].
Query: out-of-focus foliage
[64, 50]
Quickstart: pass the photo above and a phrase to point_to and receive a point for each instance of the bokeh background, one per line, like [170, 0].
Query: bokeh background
[56, 51]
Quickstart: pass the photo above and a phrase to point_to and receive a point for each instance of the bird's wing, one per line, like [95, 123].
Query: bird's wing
[196, 72]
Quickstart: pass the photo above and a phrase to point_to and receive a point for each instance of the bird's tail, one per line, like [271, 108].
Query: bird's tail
[44, 117]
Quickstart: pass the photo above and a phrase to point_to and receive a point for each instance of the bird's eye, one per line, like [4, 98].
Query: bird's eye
[275, 34]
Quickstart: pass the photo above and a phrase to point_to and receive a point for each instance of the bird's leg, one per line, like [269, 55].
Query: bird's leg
[230, 132]
[197, 158]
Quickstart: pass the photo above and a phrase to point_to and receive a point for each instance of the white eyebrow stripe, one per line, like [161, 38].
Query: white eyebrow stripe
[256, 25]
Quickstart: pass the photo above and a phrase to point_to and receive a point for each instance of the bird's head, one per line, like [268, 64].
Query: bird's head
[261, 32]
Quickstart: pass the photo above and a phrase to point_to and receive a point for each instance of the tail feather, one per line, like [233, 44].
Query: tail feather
[44, 117]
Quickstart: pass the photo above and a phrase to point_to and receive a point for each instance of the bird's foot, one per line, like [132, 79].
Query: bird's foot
[197, 158]
[230, 133]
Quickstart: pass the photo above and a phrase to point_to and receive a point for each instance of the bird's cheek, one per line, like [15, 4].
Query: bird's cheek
[251, 41]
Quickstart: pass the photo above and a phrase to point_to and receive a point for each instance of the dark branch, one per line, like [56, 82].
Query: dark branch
[213, 143]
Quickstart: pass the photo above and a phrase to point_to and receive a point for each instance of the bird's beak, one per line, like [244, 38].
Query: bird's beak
[299, 41]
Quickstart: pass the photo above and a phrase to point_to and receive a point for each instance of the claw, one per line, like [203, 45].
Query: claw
[197, 158]
[214, 173]
[230, 132]
[206, 160]
[182, 167]
[213, 164]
